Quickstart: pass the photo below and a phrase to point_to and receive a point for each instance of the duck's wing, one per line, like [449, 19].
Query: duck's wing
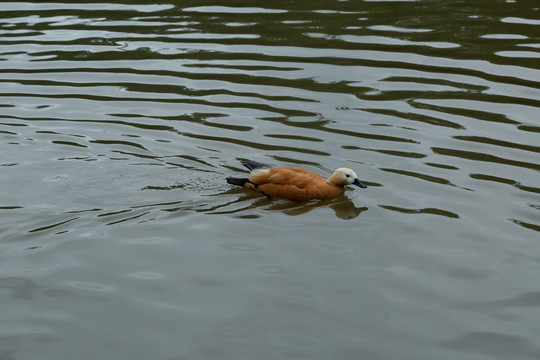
[284, 176]
[294, 176]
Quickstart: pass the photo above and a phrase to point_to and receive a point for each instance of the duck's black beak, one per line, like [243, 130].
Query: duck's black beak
[359, 184]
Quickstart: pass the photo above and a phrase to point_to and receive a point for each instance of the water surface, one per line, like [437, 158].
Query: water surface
[120, 238]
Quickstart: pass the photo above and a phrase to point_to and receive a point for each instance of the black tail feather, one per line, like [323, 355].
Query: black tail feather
[254, 165]
[237, 181]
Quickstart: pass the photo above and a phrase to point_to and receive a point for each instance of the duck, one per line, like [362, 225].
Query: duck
[294, 183]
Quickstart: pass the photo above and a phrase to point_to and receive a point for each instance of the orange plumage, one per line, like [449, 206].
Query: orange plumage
[295, 183]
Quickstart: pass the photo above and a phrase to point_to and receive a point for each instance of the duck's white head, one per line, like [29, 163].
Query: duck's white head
[345, 176]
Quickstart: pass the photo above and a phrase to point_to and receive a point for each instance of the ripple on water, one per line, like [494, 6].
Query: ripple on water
[120, 122]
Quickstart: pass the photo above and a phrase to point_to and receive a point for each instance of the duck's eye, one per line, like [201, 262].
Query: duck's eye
[347, 175]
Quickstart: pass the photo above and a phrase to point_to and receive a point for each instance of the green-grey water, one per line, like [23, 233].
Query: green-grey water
[120, 239]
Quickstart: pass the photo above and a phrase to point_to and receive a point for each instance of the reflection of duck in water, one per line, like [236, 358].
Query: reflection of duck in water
[343, 207]
[294, 183]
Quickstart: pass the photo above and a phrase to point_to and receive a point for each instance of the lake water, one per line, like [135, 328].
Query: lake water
[120, 239]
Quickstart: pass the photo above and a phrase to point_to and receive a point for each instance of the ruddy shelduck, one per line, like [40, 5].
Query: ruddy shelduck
[295, 183]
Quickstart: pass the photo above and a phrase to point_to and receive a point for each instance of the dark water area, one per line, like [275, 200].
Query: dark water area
[120, 239]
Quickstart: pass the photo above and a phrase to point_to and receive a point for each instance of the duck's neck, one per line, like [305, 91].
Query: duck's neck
[332, 181]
